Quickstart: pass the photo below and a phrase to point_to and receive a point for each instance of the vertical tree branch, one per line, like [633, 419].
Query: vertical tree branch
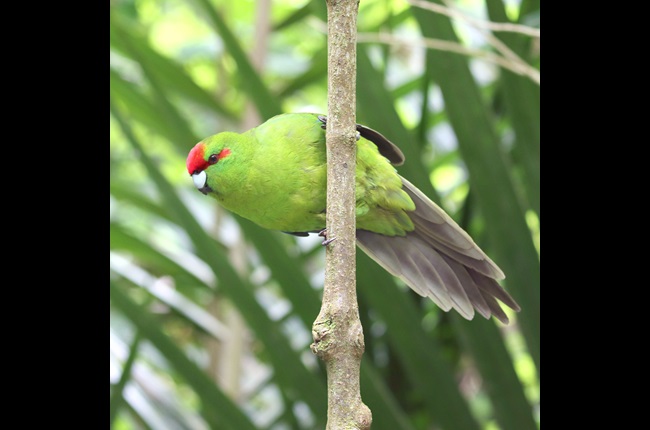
[337, 332]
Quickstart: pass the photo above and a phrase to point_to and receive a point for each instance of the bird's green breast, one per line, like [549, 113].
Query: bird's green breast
[277, 178]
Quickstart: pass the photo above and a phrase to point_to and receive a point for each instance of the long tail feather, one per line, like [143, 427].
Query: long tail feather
[416, 271]
[439, 260]
[495, 308]
[471, 289]
[434, 223]
[491, 287]
[473, 260]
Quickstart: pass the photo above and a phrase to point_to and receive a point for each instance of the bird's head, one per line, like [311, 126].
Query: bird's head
[204, 161]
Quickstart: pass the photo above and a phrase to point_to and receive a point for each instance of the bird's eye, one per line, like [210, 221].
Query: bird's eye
[213, 159]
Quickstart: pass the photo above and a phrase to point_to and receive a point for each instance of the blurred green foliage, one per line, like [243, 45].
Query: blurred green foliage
[211, 315]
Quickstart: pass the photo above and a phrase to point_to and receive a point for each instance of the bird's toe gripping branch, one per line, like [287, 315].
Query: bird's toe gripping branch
[323, 234]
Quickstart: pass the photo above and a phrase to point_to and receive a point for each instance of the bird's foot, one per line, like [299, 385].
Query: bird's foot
[358, 136]
[323, 233]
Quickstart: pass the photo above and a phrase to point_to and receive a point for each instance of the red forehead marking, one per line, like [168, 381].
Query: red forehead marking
[195, 161]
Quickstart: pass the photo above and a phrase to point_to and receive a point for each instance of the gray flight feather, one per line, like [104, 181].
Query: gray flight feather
[440, 260]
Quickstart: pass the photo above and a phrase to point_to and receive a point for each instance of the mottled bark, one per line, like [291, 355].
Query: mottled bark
[337, 332]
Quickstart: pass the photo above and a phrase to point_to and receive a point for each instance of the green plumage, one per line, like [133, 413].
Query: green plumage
[275, 175]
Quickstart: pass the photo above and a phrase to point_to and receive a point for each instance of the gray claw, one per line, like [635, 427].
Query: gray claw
[323, 233]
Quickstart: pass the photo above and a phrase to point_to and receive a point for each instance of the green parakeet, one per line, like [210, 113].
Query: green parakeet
[275, 176]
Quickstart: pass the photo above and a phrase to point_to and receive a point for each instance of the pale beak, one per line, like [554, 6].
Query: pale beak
[200, 182]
